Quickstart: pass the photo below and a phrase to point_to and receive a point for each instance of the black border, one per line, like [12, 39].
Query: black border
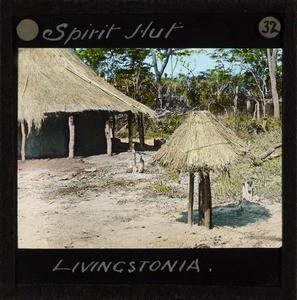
[8, 109]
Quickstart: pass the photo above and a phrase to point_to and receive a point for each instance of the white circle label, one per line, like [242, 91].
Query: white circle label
[27, 30]
[269, 27]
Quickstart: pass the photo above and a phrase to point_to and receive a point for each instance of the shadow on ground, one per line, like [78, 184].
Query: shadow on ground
[119, 146]
[233, 215]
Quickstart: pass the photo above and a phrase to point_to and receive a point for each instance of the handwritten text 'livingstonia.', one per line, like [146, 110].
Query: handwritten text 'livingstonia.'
[130, 266]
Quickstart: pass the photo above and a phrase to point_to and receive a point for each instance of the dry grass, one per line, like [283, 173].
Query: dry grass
[54, 80]
[201, 143]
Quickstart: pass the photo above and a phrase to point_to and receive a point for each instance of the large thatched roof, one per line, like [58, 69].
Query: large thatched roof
[53, 80]
[201, 143]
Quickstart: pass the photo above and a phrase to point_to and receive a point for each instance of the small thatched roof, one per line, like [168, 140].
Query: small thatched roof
[54, 80]
[201, 142]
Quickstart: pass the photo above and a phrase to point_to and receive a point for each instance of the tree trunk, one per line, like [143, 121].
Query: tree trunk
[264, 124]
[160, 94]
[23, 149]
[71, 136]
[158, 73]
[130, 130]
[271, 149]
[235, 100]
[259, 160]
[272, 58]
[257, 111]
[108, 136]
[248, 108]
[191, 199]
[141, 130]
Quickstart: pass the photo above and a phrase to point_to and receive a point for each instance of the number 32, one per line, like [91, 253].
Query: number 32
[270, 27]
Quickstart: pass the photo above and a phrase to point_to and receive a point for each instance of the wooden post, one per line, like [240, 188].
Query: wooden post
[207, 202]
[201, 199]
[191, 199]
[113, 125]
[23, 149]
[130, 130]
[71, 136]
[108, 136]
[140, 130]
[134, 168]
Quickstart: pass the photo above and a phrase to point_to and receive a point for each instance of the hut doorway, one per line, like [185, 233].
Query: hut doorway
[89, 134]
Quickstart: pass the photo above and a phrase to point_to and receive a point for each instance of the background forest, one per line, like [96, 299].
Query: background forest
[243, 90]
[242, 80]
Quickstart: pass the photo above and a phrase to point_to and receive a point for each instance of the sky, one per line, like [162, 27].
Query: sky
[197, 63]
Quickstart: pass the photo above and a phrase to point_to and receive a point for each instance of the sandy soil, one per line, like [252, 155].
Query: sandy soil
[97, 202]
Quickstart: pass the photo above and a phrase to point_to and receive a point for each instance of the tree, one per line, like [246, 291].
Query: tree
[213, 90]
[160, 58]
[272, 65]
[164, 55]
[258, 71]
[126, 68]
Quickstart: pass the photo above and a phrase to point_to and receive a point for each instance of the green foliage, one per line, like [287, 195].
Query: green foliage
[161, 129]
[126, 68]
[142, 73]
[172, 175]
[256, 125]
[251, 67]
[266, 177]
[273, 123]
[109, 62]
[162, 188]
[246, 127]
[265, 139]
[108, 183]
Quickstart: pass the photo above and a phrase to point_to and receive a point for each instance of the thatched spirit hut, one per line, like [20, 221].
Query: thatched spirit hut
[61, 100]
[199, 145]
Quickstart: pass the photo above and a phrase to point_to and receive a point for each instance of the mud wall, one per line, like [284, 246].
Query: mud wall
[52, 139]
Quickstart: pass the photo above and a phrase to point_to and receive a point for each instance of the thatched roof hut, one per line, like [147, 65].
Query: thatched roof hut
[200, 145]
[54, 80]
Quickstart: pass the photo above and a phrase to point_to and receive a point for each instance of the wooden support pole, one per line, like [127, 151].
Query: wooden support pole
[108, 136]
[140, 130]
[130, 130]
[134, 168]
[191, 199]
[71, 136]
[113, 125]
[23, 149]
[201, 199]
[207, 202]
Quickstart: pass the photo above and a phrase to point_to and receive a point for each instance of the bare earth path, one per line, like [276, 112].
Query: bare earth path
[96, 202]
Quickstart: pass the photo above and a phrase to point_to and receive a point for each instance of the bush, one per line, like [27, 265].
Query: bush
[163, 129]
[266, 177]
[163, 188]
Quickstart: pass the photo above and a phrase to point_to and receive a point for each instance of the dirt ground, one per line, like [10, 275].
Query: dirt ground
[97, 202]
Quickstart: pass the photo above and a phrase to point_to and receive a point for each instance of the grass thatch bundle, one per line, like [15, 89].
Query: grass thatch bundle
[201, 143]
[54, 80]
